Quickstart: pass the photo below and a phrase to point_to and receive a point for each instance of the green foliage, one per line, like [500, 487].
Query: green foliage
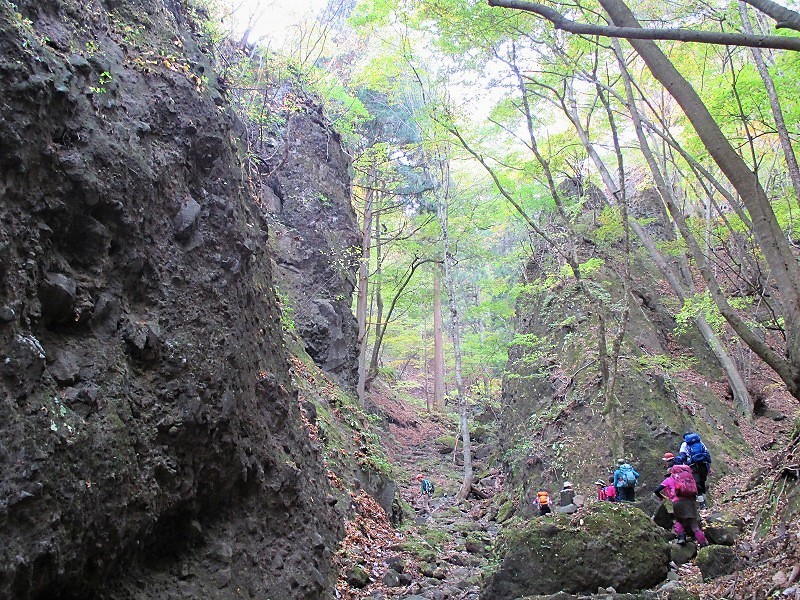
[103, 80]
[533, 356]
[208, 15]
[286, 310]
[665, 363]
[342, 106]
[593, 265]
[541, 285]
[695, 306]
[610, 229]
[522, 449]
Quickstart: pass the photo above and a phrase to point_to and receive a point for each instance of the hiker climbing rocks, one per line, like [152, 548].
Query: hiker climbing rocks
[680, 489]
[611, 491]
[625, 478]
[699, 459]
[542, 502]
[606, 492]
[601, 490]
[426, 490]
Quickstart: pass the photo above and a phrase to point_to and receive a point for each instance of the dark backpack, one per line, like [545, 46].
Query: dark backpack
[427, 487]
[685, 485]
[696, 449]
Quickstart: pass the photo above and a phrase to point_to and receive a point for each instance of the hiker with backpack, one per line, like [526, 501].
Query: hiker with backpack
[625, 478]
[606, 492]
[681, 490]
[542, 502]
[611, 491]
[426, 489]
[601, 490]
[699, 459]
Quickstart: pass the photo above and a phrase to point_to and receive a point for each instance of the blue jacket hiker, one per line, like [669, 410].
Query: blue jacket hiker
[699, 458]
[625, 478]
[426, 489]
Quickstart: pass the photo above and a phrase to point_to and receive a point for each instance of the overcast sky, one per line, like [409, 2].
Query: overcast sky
[272, 18]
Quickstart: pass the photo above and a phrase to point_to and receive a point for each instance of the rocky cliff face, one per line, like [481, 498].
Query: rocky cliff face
[150, 442]
[316, 238]
[553, 405]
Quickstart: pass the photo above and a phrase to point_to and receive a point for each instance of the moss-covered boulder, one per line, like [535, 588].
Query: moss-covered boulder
[608, 545]
[445, 443]
[716, 561]
[357, 576]
[723, 529]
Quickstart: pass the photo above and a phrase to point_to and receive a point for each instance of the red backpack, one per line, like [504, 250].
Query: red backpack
[685, 485]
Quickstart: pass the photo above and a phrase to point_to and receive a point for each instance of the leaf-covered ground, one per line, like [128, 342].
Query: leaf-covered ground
[770, 549]
[444, 549]
[433, 550]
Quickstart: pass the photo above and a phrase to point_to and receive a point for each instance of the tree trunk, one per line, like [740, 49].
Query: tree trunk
[775, 105]
[678, 286]
[438, 346]
[767, 231]
[741, 394]
[463, 401]
[380, 326]
[363, 288]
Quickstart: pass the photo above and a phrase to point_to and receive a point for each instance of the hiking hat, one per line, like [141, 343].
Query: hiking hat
[668, 456]
[567, 485]
[620, 461]
[599, 482]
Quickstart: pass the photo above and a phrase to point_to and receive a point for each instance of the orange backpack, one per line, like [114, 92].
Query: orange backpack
[542, 499]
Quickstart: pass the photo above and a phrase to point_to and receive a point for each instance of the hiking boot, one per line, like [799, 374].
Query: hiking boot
[682, 538]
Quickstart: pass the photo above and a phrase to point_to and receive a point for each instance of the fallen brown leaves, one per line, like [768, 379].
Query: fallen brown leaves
[769, 551]
[368, 536]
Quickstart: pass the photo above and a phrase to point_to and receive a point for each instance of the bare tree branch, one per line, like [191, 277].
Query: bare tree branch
[784, 18]
[559, 21]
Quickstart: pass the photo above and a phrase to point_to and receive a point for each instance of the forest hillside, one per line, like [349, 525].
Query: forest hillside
[362, 299]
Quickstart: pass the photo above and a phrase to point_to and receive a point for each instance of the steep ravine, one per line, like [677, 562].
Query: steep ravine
[150, 441]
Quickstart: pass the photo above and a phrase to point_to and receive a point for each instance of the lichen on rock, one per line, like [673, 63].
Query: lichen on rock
[606, 545]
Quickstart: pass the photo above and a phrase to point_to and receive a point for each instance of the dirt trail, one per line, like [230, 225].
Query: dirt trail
[442, 553]
[442, 550]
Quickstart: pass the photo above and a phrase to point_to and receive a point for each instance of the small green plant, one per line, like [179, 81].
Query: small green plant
[21, 21]
[287, 311]
[105, 78]
[321, 199]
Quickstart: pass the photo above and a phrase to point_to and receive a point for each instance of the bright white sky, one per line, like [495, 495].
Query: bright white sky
[272, 19]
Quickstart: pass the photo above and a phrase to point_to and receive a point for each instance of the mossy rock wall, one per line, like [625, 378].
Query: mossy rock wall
[612, 545]
[553, 416]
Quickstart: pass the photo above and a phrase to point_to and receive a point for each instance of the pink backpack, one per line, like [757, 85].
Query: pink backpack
[685, 486]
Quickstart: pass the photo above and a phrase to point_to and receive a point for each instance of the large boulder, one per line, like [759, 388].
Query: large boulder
[316, 239]
[716, 561]
[607, 545]
[723, 529]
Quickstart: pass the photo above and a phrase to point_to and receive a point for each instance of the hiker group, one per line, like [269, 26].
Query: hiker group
[684, 487]
[621, 488]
